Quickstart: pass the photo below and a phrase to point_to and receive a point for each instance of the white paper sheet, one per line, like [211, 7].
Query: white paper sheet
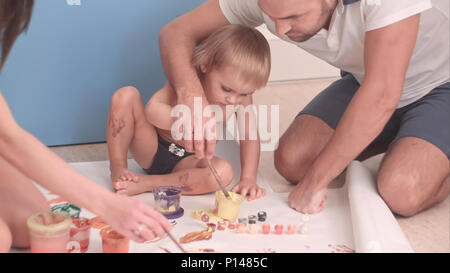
[355, 217]
[375, 228]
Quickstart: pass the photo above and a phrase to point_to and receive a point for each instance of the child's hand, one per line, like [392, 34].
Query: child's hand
[248, 186]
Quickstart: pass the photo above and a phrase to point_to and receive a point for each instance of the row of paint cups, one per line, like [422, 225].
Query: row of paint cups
[56, 232]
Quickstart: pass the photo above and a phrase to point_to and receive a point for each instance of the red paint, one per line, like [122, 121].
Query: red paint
[221, 225]
[114, 242]
[231, 225]
[80, 232]
[265, 228]
[212, 226]
[205, 218]
[278, 229]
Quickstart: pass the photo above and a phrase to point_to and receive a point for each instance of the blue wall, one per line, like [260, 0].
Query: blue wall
[60, 76]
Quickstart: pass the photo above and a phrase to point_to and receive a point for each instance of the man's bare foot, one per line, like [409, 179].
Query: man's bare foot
[131, 187]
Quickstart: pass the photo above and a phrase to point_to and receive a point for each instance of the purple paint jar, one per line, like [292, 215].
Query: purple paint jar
[167, 201]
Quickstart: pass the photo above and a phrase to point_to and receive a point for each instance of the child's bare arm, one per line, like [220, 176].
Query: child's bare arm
[159, 107]
[249, 153]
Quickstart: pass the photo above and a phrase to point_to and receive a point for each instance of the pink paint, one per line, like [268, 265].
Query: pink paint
[49, 232]
[232, 225]
[265, 228]
[80, 232]
[205, 218]
[221, 225]
[241, 228]
[114, 242]
[211, 226]
[252, 229]
[278, 229]
[292, 229]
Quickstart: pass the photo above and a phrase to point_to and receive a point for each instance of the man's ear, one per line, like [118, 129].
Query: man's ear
[203, 68]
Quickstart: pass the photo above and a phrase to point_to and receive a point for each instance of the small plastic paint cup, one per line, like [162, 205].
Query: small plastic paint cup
[113, 241]
[221, 225]
[265, 228]
[211, 226]
[278, 229]
[167, 199]
[252, 229]
[232, 225]
[292, 229]
[49, 232]
[205, 217]
[81, 232]
[241, 228]
[228, 208]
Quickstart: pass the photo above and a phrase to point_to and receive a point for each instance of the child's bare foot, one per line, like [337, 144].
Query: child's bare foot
[131, 187]
[122, 175]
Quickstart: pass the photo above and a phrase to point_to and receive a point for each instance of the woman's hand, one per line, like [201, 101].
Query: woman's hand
[134, 219]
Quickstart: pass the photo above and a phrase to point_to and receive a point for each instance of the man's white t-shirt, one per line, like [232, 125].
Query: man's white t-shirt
[343, 44]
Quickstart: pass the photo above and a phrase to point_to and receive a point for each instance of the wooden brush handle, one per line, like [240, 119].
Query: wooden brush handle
[219, 180]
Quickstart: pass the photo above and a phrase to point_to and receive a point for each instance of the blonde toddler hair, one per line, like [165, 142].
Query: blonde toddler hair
[240, 47]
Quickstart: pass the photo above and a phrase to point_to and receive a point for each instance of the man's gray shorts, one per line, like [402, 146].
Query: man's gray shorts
[427, 118]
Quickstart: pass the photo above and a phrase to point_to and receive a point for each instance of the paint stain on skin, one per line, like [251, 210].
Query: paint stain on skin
[117, 125]
[182, 180]
[186, 188]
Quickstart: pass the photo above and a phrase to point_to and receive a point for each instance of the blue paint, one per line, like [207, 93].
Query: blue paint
[60, 76]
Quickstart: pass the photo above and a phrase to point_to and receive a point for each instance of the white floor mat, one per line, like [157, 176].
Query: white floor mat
[355, 217]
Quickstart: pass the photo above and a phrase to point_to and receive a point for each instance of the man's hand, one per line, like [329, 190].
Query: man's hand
[194, 136]
[305, 199]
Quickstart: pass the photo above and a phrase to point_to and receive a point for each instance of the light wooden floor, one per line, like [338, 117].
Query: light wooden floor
[427, 232]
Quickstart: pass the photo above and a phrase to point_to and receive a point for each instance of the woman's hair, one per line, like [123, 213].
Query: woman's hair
[242, 48]
[15, 17]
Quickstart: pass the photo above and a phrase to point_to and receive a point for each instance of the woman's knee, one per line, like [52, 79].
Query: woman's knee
[5, 237]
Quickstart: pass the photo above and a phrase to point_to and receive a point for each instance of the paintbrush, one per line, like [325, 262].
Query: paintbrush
[175, 241]
[218, 179]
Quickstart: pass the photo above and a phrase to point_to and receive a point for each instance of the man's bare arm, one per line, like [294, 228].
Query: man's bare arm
[177, 41]
[387, 54]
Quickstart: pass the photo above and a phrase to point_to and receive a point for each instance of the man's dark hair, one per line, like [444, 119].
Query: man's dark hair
[15, 16]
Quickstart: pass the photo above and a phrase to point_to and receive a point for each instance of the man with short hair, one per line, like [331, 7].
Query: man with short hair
[393, 97]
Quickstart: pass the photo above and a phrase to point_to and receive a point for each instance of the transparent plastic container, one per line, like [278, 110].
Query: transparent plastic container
[49, 232]
[113, 241]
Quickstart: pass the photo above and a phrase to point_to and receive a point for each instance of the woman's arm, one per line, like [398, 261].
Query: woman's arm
[36, 161]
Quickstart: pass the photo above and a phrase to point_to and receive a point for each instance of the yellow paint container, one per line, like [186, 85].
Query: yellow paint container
[228, 208]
